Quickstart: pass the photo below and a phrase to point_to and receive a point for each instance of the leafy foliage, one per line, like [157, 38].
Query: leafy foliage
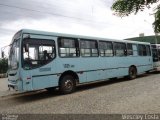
[156, 24]
[125, 7]
[3, 65]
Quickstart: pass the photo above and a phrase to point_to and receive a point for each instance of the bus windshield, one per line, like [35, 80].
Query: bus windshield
[14, 54]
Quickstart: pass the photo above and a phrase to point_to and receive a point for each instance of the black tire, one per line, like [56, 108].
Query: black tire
[132, 73]
[67, 84]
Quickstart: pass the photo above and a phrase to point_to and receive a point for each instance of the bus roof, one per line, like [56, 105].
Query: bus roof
[56, 34]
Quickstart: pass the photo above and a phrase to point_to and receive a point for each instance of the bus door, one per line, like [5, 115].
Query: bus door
[39, 62]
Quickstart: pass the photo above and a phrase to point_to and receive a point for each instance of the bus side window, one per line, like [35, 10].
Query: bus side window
[148, 50]
[68, 47]
[105, 48]
[129, 49]
[119, 49]
[142, 50]
[89, 48]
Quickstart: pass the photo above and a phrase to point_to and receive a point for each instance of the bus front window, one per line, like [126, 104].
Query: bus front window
[14, 55]
[39, 53]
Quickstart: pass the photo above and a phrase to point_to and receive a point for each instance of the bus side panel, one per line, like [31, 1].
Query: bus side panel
[45, 76]
[93, 68]
[119, 66]
[144, 64]
[77, 65]
[40, 78]
[107, 67]
[97, 68]
[45, 82]
[26, 80]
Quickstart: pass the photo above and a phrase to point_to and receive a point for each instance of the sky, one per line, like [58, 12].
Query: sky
[82, 17]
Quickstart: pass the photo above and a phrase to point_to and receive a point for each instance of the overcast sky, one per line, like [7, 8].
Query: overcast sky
[84, 17]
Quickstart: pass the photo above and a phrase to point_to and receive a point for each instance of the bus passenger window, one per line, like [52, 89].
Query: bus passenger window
[89, 48]
[119, 49]
[148, 50]
[105, 49]
[142, 50]
[68, 47]
[129, 49]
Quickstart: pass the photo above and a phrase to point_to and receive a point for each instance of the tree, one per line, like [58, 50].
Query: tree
[124, 8]
[3, 65]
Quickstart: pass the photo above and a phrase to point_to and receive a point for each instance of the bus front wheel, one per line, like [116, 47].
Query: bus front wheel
[67, 84]
[132, 72]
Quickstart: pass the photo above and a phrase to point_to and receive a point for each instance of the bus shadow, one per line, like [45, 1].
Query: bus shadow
[154, 72]
[34, 96]
[106, 82]
[43, 94]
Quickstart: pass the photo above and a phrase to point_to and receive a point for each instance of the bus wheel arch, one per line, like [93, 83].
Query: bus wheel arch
[68, 81]
[132, 72]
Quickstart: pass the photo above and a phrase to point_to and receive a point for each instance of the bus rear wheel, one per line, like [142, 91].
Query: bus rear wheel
[132, 73]
[67, 84]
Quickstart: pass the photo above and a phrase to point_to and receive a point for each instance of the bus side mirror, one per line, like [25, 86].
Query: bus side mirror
[2, 54]
[26, 47]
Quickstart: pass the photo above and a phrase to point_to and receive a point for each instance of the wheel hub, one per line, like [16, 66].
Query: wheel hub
[68, 84]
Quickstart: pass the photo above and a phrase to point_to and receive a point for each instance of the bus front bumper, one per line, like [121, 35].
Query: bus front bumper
[12, 85]
[15, 85]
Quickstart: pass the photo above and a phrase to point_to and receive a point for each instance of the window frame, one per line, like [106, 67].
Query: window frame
[105, 49]
[76, 47]
[125, 49]
[142, 50]
[128, 49]
[96, 45]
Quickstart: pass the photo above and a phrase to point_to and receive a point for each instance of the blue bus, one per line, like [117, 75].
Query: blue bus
[47, 60]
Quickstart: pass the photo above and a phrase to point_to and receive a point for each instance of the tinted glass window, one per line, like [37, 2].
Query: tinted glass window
[148, 50]
[105, 48]
[68, 47]
[129, 49]
[89, 48]
[142, 50]
[120, 49]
